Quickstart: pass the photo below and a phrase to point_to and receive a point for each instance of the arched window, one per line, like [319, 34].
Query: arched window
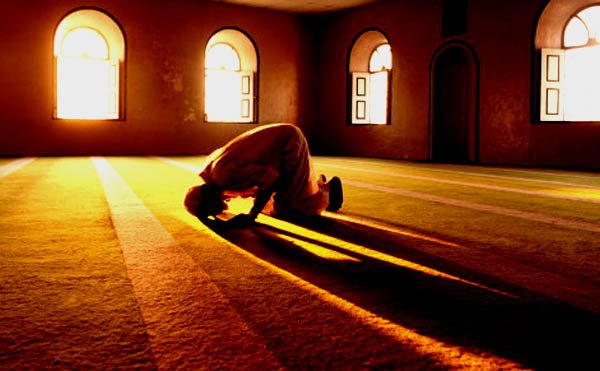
[230, 66]
[370, 68]
[570, 86]
[89, 50]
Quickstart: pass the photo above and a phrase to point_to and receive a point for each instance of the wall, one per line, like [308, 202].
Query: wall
[165, 44]
[574, 144]
[502, 35]
[408, 27]
[302, 79]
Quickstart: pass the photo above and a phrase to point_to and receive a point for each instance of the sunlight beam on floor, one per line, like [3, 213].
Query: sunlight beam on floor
[179, 303]
[14, 166]
[451, 356]
[369, 253]
[388, 228]
[317, 250]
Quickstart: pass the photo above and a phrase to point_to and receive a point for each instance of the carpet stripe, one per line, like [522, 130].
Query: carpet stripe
[508, 177]
[11, 167]
[465, 184]
[190, 323]
[530, 216]
[530, 180]
[554, 173]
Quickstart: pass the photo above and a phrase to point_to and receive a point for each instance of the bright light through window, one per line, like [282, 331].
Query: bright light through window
[370, 66]
[576, 34]
[84, 42]
[582, 67]
[381, 59]
[223, 96]
[591, 18]
[582, 85]
[87, 79]
[379, 65]
[379, 92]
[222, 57]
[228, 95]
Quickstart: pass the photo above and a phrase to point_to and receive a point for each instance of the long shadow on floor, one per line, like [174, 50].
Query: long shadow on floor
[523, 326]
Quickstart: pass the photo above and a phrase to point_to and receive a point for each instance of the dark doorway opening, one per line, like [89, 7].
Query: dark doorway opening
[454, 132]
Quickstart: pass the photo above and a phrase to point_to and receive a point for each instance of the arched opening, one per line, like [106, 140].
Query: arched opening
[370, 67]
[567, 41]
[89, 50]
[229, 82]
[454, 131]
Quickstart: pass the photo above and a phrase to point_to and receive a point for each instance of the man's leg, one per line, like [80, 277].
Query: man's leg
[299, 188]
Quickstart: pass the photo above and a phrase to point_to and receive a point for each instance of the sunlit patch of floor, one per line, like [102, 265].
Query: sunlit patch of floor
[9, 166]
[178, 301]
[66, 301]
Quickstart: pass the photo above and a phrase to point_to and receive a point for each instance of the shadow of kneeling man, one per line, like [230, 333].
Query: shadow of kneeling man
[391, 277]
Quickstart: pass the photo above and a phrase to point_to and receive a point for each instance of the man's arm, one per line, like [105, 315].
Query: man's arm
[262, 197]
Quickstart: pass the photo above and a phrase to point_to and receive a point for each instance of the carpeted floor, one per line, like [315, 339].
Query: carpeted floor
[425, 266]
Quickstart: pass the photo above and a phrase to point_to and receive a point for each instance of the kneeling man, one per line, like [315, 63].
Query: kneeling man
[271, 160]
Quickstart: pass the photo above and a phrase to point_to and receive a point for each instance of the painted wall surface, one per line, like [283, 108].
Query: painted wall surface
[409, 28]
[165, 43]
[501, 34]
[303, 79]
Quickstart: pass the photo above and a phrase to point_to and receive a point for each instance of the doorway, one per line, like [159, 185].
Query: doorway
[454, 123]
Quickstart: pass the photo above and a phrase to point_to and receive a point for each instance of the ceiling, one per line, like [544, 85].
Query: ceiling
[302, 6]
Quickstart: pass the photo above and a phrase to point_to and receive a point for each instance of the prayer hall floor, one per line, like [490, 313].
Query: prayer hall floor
[425, 266]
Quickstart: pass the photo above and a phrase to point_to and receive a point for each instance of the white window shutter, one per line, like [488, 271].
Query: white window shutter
[246, 96]
[113, 88]
[552, 85]
[379, 97]
[361, 85]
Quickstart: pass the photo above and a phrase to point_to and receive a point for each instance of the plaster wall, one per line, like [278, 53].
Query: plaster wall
[165, 44]
[505, 38]
[302, 78]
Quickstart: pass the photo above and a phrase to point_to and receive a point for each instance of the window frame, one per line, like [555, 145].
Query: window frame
[236, 40]
[76, 19]
[355, 58]
[560, 50]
